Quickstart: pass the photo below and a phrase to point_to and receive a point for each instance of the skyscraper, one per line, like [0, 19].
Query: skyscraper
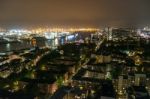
[109, 33]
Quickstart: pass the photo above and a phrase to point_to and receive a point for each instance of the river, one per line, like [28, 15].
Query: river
[27, 44]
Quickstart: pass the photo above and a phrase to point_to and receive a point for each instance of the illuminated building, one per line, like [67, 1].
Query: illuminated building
[33, 41]
[140, 79]
[122, 84]
[109, 33]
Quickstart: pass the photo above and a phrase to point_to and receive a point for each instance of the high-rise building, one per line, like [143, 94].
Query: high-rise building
[109, 33]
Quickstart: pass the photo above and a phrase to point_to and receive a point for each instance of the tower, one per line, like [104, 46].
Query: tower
[109, 33]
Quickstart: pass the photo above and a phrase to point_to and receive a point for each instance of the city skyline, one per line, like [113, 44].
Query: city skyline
[74, 49]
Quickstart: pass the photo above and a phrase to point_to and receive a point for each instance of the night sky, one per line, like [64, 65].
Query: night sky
[77, 13]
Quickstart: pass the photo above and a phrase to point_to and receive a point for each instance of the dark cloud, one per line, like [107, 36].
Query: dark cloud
[74, 12]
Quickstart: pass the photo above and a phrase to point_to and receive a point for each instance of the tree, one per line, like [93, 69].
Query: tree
[60, 81]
